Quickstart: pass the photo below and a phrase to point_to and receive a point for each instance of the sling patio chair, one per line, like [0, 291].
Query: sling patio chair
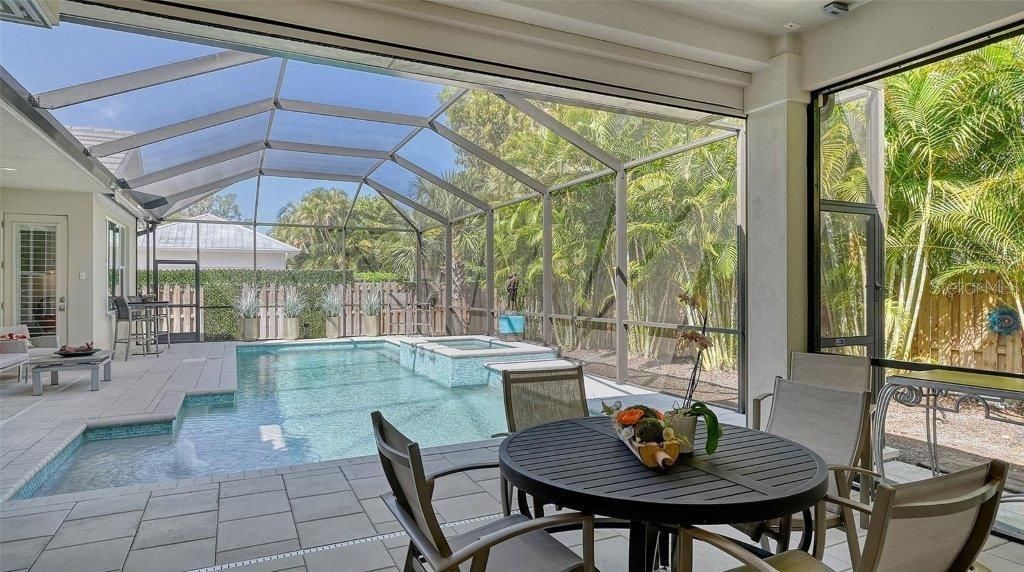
[534, 397]
[830, 422]
[940, 523]
[508, 544]
[852, 373]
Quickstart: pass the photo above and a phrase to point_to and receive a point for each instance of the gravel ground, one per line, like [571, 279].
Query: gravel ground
[967, 431]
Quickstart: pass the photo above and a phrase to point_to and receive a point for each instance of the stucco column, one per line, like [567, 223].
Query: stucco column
[776, 221]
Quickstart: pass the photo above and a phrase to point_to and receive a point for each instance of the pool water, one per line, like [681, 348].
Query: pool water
[294, 404]
[470, 344]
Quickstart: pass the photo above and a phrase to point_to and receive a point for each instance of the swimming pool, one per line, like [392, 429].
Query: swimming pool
[294, 404]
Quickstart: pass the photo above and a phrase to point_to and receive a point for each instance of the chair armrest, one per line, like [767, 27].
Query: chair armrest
[849, 469]
[485, 543]
[502, 434]
[460, 469]
[755, 410]
[727, 546]
[848, 503]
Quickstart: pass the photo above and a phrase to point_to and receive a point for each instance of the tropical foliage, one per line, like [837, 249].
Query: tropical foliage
[953, 174]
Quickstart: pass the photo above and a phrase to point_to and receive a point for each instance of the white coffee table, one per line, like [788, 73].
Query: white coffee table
[56, 364]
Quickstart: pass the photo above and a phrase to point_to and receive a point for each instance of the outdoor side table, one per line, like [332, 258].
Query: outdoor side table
[924, 388]
[56, 364]
[582, 465]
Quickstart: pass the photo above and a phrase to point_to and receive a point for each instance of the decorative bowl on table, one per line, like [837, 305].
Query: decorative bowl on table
[642, 429]
[657, 438]
[76, 351]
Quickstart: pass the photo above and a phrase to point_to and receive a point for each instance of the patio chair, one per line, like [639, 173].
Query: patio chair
[140, 328]
[830, 422]
[534, 397]
[511, 543]
[940, 523]
[852, 373]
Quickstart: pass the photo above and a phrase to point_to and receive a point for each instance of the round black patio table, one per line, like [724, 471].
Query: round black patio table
[582, 465]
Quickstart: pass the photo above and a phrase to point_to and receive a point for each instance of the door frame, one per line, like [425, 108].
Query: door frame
[197, 307]
[11, 256]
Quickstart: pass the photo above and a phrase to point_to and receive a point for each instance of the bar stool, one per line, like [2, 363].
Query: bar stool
[141, 328]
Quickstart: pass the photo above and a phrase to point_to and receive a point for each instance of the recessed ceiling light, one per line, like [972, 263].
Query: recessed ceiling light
[792, 26]
[8, 169]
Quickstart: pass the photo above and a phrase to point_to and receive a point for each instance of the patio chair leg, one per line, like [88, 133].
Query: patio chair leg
[506, 496]
[524, 507]
[819, 530]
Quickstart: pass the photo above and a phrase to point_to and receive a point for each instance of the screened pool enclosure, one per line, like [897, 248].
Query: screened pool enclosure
[620, 229]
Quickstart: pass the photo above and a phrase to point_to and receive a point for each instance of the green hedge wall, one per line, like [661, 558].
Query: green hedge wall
[222, 286]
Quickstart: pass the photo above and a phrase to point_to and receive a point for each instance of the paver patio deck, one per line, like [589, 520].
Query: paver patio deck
[319, 516]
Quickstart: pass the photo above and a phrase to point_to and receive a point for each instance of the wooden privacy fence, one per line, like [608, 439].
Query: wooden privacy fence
[952, 329]
[398, 313]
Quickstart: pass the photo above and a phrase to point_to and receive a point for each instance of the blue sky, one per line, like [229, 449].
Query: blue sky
[42, 60]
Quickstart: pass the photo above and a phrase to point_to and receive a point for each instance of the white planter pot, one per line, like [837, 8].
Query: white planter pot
[249, 328]
[291, 328]
[333, 326]
[371, 326]
[686, 431]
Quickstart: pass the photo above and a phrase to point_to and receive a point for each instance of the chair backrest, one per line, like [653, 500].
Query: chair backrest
[537, 396]
[121, 307]
[852, 373]
[827, 420]
[935, 524]
[403, 467]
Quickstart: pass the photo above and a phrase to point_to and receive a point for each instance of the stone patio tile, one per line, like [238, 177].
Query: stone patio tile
[95, 529]
[16, 508]
[469, 506]
[336, 529]
[257, 504]
[997, 564]
[19, 554]
[356, 558]
[370, 488]
[254, 531]
[31, 525]
[257, 551]
[186, 488]
[172, 557]
[388, 527]
[376, 510]
[317, 485]
[454, 486]
[174, 529]
[289, 564]
[177, 505]
[324, 506]
[92, 557]
[99, 507]
[1011, 551]
[471, 456]
[363, 471]
[303, 471]
[250, 486]
[493, 488]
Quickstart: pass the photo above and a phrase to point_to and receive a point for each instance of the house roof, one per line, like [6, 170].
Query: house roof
[178, 234]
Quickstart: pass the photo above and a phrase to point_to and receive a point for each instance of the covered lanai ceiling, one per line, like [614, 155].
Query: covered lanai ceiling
[172, 123]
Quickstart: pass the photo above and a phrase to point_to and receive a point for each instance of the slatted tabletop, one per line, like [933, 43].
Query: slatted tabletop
[581, 464]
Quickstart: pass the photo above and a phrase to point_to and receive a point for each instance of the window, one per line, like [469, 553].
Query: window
[115, 262]
[920, 252]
